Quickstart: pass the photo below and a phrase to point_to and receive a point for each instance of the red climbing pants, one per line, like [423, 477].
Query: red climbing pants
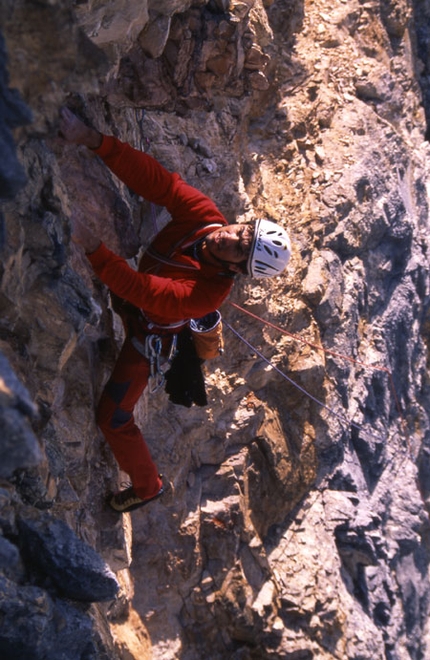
[115, 419]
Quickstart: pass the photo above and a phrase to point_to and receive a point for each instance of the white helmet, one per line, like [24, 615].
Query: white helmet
[270, 250]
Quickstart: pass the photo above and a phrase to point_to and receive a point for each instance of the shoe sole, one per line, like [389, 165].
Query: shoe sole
[132, 507]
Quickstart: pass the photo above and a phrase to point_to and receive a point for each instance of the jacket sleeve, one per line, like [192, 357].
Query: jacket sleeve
[162, 296]
[148, 178]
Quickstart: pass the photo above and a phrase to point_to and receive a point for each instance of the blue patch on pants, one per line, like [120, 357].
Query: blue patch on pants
[117, 391]
[119, 418]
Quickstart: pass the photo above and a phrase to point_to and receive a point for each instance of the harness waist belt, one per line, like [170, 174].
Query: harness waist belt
[169, 326]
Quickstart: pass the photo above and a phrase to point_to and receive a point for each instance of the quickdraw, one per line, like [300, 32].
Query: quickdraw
[152, 349]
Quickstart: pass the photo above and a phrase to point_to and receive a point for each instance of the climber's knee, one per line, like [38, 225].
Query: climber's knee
[110, 417]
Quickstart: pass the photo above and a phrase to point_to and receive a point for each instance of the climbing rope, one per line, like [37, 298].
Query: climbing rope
[307, 503]
[326, 351]
[342, 418]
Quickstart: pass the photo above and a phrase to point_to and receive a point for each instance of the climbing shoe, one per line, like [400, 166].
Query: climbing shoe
[127, 500]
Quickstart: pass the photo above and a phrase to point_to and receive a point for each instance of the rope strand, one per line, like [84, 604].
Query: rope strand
[342, 418]
[338, 355]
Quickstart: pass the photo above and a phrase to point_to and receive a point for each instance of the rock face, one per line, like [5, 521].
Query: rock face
[14, 113]
[296, 525]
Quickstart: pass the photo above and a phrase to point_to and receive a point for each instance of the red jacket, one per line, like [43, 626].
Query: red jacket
[166, 292]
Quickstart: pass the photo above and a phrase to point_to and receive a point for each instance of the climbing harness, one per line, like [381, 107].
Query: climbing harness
[151, 325]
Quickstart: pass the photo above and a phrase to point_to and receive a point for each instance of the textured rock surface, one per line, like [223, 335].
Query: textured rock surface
[19, 446]
[62, 632]
[293, 529]
[75, 568]
[13, 113]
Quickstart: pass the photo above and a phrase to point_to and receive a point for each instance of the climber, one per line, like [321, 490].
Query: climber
[186, 273]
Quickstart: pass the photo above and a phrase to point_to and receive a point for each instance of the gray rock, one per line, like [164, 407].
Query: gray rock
[13, 112]
[201, 147]
[31, 488]
[36, 627]
[9, 553]
[154, 36]
[19, 447]
[77, 571]
[207, 166]
[18, 444]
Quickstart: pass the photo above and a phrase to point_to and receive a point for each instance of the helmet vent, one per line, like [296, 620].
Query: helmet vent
[263, 267]
[273, 253]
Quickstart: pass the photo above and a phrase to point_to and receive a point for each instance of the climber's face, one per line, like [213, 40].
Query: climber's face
[230, 244]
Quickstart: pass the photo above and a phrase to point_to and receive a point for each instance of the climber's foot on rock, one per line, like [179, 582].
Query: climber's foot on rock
[127, 500]
[74, 130]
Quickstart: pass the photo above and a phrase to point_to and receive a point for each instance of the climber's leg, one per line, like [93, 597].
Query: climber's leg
[115, 419]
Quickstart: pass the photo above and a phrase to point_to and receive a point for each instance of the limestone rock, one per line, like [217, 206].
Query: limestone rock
[54, 53]
[113, 22]
[296, 521]
[154, 37]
